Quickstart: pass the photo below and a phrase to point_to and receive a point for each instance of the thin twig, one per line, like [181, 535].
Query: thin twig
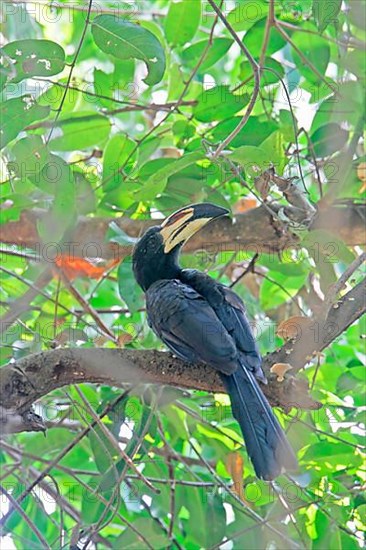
[72, 512]
[122, 474]
[273, 281]
[315, 162]
[250, 267]
[341, 283]
[21, 304]
[179, 100]
[86, 306]
[244, 507]
[32, 526]
[352, 42]
[72, 67]
[331, 435]
[267, 32]
[110, 437]
[172, 500]
[303, 58]
[59, 457]
[256, 74]
[99, 9]
[288, 510]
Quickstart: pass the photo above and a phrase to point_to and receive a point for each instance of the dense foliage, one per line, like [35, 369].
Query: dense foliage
[124, 110]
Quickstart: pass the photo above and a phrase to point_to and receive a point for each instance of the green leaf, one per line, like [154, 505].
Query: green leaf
[6, 72]
[253, 39]
[356, 13]
[176, 423]
[326, 250]
[346, 541]
[316, 50]
[155, 535]
[182, 21]
[157, 182]
[244, 531]
[254, 132]
[355, 62]
[16, 114]
[31, 155]
[321, 530]
[104, 85]
[35, 58]
[80, 131]
[85, 197]
[207, 518]
[280, 288]
[91, 506]
[152, 166]
[329, 454]
[183, 130]
[63, 212]
[124, 73]
[183, 189]
[146, 149]
[252, 159]
[331, 246]
[12, 206]
[246, 14]
[345, 105]
[326, 12]
[217, 51]
[103, 451]
[268, 77]
[118, 151]
[222, 442]
[51, 96]
[287, 124]
[129, 290]
[328, 139]
[218, 103]
[274, 148]
[117, 235]
[126, 40]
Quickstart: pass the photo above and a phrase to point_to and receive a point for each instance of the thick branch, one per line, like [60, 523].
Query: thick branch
[25, 381]
[252, 230]
[317, 335]
[34, 376]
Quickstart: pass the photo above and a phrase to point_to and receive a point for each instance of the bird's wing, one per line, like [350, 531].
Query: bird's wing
[188, 325]
[238, 326]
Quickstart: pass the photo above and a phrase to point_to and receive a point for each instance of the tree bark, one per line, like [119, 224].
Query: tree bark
[30, 378]
[254, 230]
[34, 376]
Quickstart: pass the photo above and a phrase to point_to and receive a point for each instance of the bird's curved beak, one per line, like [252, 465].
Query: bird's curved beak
[184, 223]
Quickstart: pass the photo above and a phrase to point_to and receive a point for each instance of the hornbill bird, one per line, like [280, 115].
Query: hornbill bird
[200, 319]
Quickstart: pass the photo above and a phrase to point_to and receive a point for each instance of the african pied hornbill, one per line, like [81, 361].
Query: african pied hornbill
[200, 319]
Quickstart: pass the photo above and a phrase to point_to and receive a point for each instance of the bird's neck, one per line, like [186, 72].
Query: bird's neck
[163, 266]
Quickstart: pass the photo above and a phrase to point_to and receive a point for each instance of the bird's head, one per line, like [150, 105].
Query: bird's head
[155, 255]
[184, 223]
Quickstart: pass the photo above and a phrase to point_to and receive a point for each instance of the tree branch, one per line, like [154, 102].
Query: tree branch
[325, 328]
[257, 80]
[30, 378]
[253, 230]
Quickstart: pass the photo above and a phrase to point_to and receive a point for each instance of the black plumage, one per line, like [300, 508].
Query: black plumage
[200, 319]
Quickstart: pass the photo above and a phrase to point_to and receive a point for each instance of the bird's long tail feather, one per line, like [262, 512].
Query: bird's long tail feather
[266, 443]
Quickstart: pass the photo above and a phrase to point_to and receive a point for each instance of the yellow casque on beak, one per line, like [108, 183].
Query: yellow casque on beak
[184, 223]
